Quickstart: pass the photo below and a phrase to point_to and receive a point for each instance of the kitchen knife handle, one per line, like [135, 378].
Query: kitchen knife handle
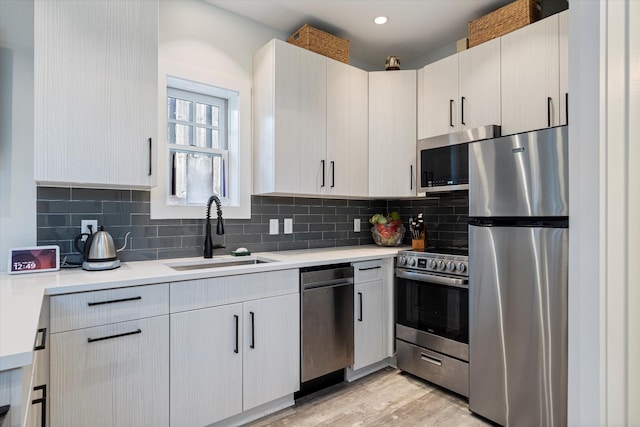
[322, 162]
[235, 316]
[360, 314]
[462, 99]
[451, 112]
[150, 156]
[253, 337]
[548, 111]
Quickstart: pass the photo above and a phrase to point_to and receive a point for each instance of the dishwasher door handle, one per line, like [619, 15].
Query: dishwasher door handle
[327, 284]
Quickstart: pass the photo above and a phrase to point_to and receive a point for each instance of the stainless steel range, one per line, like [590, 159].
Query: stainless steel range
[432, 316]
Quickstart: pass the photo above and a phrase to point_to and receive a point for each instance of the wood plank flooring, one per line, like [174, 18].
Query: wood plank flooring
[386, 398]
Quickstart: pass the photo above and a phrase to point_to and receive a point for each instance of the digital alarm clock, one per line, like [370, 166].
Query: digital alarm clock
[34, 259]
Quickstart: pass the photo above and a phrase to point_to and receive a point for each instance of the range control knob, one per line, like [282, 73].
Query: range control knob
[451, 266]
[431, 264]
[461, 267]
[441, 265]
[412, 262]
[403, 260]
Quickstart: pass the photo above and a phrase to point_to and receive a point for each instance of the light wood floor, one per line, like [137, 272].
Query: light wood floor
[386, 398]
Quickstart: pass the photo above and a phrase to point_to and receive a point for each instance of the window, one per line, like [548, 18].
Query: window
[197, 137]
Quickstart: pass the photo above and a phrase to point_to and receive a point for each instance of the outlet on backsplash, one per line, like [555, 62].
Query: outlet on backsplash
[84, 226]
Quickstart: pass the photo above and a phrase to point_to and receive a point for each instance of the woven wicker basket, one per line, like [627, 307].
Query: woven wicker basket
[321, 42]
[504, 20]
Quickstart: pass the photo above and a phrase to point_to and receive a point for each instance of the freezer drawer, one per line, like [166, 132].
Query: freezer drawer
[450, 373]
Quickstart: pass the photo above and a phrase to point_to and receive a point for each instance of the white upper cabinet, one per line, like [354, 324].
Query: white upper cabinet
[347, 130]
[563, 21]
[96, 102]
[530, 72]
[460, 92]
[309, 123]
[392, 133]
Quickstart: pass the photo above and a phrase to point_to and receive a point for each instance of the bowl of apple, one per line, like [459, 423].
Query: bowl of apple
[387, 230]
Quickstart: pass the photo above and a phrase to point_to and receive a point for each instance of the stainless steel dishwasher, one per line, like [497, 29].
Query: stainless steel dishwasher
[327, 320]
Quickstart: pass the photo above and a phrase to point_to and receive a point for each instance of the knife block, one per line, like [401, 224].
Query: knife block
[418, 244]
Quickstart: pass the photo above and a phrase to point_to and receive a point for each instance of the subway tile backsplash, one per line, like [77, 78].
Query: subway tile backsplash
[317, 223]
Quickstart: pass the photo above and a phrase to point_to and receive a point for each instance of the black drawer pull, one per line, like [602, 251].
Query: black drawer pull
[113, 301]
[370, 268]
[44, 339]
[150, 156]
[360, 298]
[137, 331]
[43, 401]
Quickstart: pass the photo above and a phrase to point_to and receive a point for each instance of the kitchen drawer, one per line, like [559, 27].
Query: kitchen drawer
[450, 373]
[86, 309]
[368, 271]
[196, 294]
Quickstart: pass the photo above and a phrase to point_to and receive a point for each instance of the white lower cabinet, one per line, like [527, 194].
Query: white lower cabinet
[112, 375]
[206, 365]
[373, 313]
[232, 358]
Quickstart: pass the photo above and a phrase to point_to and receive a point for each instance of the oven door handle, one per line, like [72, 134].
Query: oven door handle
[432, 278]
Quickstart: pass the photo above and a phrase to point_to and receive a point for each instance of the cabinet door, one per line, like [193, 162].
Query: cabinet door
[96, 94]
[347, 130]
[271, 349]
[392, 133]
[206, 365]
[300, 120]
[36, 403]
[439, 90]
[479, 85]
[369, 324]
[530, 77]
[114, 375]
[563, 24]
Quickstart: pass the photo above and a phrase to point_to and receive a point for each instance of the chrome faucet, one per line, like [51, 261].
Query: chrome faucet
[208, 242]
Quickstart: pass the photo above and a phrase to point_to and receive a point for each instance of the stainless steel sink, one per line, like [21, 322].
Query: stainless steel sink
[206, 264]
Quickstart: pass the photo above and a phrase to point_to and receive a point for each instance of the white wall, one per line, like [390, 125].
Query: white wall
[17, 187]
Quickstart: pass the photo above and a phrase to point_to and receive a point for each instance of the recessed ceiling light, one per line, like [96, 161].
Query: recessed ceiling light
[381, 20]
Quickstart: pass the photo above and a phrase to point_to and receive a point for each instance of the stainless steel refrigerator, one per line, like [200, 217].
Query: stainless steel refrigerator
[518, 255]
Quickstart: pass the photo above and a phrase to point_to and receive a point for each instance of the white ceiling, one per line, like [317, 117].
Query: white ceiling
[415, 27]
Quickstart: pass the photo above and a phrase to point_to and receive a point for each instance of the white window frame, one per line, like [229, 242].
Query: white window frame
[239, 183]
[225, 100]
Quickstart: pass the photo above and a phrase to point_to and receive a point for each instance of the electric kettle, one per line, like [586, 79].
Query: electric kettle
[99, 251]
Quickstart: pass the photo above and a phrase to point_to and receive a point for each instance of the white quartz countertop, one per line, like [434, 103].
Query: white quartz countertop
[21, 295]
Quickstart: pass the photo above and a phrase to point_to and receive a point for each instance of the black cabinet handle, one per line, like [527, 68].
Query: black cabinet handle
[322, 161]
[137, 331]
[150, 156]
[566, 107]
[113, 301]
[548, 111]
[410, 177]
[42, 401]
[451, 112]
[370, 268]
[462, 99]
[235, 350]
[360, 314]
[43, 331]
[333, 174]
[173, 174]
[253, 337]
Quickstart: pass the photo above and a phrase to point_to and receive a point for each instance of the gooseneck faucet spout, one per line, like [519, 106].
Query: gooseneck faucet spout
[208, 242]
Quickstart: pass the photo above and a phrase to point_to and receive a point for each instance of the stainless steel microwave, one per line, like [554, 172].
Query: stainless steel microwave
[443, 161]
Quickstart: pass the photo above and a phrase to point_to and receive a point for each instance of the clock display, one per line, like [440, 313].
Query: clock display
[39, 258]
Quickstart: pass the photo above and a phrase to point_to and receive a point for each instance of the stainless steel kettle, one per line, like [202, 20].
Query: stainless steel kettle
[99, 251]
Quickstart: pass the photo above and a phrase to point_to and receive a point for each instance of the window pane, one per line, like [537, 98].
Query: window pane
[196, 177]
[179, 109]
[179, 134]
[203, 137]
